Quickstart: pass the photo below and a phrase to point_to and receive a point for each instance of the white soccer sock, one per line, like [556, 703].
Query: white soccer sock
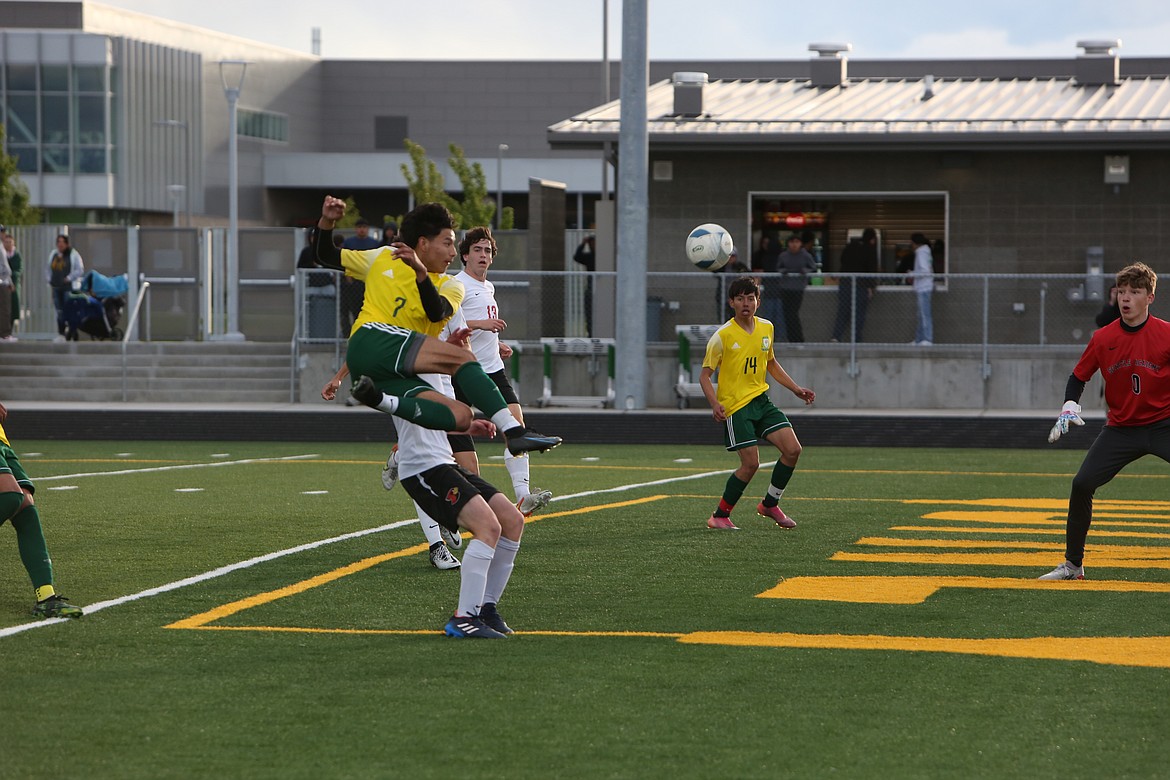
[500, 570]
[388, 404]
[517, 466]
[504, 420]
[775, 492]
[473, 577]
[429, 526]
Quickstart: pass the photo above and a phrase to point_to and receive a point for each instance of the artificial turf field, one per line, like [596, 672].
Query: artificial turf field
[897, 632]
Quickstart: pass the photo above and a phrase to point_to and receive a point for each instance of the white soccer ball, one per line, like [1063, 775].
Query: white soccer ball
[709, 246]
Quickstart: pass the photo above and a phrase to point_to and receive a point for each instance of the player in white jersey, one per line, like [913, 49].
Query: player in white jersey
[478, 250]
[438, 538]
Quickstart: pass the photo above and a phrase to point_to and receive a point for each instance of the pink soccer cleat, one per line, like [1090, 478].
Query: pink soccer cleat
[777, 514]
[721, 523]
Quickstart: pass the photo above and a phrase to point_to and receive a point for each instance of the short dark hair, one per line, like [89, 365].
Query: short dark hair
[743, 285]
[918, 239]
[868, 234]
[474, 236]
[361, 222]
[426, 220]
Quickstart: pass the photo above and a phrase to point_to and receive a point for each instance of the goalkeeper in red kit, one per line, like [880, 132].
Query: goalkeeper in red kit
[1133, 356]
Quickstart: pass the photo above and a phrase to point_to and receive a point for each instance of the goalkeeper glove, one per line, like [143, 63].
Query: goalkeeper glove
[1070, 414]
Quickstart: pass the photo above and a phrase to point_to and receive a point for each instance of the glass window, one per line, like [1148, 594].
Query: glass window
[91, 160]
[21, 78]
[91, 120]
[26, 157]
[54, 119]
[55, 159]
[89, 78]
[55, 78]
[262, 124]
[22, 119]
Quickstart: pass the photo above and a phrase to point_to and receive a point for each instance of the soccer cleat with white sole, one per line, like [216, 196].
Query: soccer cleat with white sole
[390, 470]
[721, 523]
[452, 539]
[1065, 571]
[537, 499]
[441, 557]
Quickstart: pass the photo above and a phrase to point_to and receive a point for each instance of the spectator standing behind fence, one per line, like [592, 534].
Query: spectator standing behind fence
[1110, 311]
[796, 264]
[860, 256]
[353, 292]
[65, 268]
[16, 264]
[724, 277]
[764, 261]
[308, 259]
[923, 280]
[586, 255]
[5, 295]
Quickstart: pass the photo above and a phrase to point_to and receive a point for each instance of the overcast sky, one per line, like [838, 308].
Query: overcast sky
[682, 29]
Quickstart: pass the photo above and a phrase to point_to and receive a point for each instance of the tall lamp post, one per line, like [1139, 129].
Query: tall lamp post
[181, 125]
[500, 184]
[231, 73]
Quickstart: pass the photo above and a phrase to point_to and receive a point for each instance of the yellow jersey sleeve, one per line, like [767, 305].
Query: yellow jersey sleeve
[4, 436]
[357, 262]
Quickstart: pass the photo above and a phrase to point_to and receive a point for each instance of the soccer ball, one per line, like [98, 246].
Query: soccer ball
[709, 246]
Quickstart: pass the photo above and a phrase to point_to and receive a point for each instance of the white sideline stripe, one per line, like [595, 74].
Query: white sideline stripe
[174, 468]
[214, 573]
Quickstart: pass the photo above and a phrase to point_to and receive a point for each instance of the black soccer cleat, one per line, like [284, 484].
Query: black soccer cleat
[530, 441]
[470, 628]
[56, 607]
[491, 618]
[365, 391]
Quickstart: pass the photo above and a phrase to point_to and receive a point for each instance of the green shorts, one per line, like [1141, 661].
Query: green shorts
[753, 422]
[10, 464]
[386, 354]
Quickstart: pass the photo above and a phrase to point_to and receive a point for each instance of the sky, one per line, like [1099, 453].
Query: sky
[682, 29]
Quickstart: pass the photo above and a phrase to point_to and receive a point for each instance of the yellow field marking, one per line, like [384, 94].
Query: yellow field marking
[1119, 550]
[1054, 531]
[198, 621]
[916, 590]
[1059, 504]
[1038, 560]
[1153, 651]
[431, 631]
[1043, 518]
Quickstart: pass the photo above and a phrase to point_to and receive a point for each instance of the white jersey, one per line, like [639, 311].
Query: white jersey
[422, 448]
[479, 303]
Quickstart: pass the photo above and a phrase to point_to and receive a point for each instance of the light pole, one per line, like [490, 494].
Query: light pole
[180, 124]
[174, 192]
[500, 184]
[231, 73]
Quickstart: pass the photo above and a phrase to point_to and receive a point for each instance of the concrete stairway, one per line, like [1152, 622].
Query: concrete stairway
[168, 372]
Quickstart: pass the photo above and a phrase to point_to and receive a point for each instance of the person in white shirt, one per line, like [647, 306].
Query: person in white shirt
[478, 250]
[923, 277]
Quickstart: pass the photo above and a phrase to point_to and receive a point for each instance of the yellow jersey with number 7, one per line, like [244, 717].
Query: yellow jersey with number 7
[392, 290]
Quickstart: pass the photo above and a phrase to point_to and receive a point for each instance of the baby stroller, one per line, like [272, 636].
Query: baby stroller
[97, 307]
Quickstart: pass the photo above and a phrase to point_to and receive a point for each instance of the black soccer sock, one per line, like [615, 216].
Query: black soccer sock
[732, 492]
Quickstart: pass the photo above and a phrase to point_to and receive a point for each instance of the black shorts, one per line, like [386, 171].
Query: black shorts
[501, 379]
[443, 491]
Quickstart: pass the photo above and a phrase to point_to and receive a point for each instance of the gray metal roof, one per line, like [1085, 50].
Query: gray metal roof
[960, 111]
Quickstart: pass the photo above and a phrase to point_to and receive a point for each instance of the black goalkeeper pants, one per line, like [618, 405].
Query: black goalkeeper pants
[1114, 449]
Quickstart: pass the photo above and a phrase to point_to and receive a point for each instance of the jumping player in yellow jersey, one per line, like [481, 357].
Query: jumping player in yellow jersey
[408, 299]
[742, 351]
[17, 505]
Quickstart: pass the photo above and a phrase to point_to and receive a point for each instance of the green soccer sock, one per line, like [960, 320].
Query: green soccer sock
[480, 388]
[780, 476]
[34, 554]
[428, 414]
[732, 492]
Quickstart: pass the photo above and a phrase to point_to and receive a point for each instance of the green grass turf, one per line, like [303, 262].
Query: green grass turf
[117, 695]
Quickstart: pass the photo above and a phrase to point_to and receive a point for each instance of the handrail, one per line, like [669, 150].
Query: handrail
[130, 329]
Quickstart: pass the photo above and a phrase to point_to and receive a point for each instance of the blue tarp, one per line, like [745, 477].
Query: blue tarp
[101, 286]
